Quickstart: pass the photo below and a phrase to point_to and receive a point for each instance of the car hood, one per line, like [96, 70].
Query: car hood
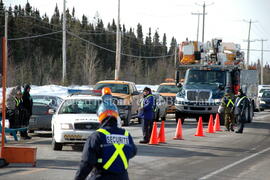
[120, 95]
[167, 94]
[69, 118]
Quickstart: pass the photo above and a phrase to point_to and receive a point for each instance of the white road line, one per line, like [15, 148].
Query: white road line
[233, 164]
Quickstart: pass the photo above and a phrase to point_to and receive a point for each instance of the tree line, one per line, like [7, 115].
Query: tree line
[90, 49]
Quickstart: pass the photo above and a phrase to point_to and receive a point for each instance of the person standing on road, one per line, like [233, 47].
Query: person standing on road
[107, 151]
[241, 105]
[28, 105]
[227, 103]
[147, 114]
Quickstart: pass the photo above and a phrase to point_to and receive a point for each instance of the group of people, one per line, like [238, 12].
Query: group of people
[19, 109]
[235, 110]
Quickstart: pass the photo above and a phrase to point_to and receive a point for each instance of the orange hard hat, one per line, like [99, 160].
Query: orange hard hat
[106, 90]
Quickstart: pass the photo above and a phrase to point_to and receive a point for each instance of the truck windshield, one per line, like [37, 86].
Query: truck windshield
[168, 89]
[116, 88]
[205, 77]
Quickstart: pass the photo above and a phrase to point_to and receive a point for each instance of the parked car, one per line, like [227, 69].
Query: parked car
[125, 96]
[41, 116]
[160, 108]
[75, 120]
[264, 102]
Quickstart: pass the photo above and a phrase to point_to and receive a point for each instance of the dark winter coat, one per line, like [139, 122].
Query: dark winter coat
[241, 105]
[92, 152]
[27, 101]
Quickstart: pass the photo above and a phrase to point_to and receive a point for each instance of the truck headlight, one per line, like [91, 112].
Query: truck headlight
[262, 102]
[179, 100]
[66, 126]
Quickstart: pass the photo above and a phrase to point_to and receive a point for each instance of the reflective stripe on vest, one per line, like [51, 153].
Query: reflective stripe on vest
[17, 101]
[238, 103]
[230, 102]
[118, 151]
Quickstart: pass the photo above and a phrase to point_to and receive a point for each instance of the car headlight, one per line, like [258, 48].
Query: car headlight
[262, 102]
[66, 126]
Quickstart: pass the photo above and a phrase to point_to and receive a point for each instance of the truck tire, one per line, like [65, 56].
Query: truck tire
[179, 116]
[127, 119]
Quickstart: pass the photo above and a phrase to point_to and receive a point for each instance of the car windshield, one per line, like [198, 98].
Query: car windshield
[266, 94]
[116, 88]
[168, 89]
[262, 90]
[205, 77]
[49, 100]
[80, 106]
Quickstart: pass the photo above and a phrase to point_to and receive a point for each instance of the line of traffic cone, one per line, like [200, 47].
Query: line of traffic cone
[154, 135]
[217, 123]
[199, 128]
[178, 132]
[211, 125]
[161, 135]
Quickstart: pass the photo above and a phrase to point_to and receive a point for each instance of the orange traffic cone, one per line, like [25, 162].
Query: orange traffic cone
[199, 128]
[154, 137]
[217, 123]
[211, 125]
[161, 135]
[178, 132]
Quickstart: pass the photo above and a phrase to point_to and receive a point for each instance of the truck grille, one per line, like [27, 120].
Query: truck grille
[198, 95]
[86, 126]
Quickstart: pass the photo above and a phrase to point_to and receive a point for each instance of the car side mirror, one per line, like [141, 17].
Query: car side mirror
[135, 93]
[51, 111]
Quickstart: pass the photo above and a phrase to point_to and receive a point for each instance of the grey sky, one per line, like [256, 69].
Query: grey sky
[224, 18]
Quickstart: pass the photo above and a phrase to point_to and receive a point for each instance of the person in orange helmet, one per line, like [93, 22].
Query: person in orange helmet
[107, 151]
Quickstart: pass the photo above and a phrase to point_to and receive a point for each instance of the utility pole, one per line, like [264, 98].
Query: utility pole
[248, 47]
[118, 46]
[198, 26]
[203, 18]
[262, 40]
[64, 47]
[175, 56]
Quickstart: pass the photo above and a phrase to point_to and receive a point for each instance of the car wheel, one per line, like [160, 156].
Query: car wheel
[127, 120]
[56, 146]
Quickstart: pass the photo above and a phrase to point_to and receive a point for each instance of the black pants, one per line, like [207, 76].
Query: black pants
[147, 129]
[240, 123]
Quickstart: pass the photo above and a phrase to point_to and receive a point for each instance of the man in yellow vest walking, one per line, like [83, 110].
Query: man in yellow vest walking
[107, 151]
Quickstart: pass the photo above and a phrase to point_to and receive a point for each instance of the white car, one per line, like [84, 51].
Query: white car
[74, 120]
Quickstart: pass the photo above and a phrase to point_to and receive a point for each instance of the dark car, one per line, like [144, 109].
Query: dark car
[41, 116]
[265, 101]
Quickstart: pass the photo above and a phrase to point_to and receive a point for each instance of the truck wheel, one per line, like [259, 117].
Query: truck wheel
[179, 116]
[127, 120]
[157, 117]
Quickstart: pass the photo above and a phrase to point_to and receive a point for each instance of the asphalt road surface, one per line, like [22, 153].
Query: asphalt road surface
[222, 155]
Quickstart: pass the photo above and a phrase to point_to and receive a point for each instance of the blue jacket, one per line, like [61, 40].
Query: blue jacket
[148, 107]
[93, 151]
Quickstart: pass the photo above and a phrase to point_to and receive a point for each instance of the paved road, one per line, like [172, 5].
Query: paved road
[223, 155]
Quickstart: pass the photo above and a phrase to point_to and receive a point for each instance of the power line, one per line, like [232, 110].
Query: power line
[32, 37]
[112, 51]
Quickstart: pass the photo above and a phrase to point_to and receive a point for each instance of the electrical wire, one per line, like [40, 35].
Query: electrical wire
[112, 51]
[32, 37]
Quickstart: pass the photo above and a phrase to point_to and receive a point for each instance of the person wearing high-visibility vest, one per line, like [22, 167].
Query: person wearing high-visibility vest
[147, 114]
[241, 105]
[227, 103]
[107, 151]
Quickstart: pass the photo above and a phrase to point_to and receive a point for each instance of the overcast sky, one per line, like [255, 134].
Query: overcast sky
[224, 18]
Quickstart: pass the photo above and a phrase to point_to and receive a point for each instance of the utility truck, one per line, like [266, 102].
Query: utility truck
[209, 69]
